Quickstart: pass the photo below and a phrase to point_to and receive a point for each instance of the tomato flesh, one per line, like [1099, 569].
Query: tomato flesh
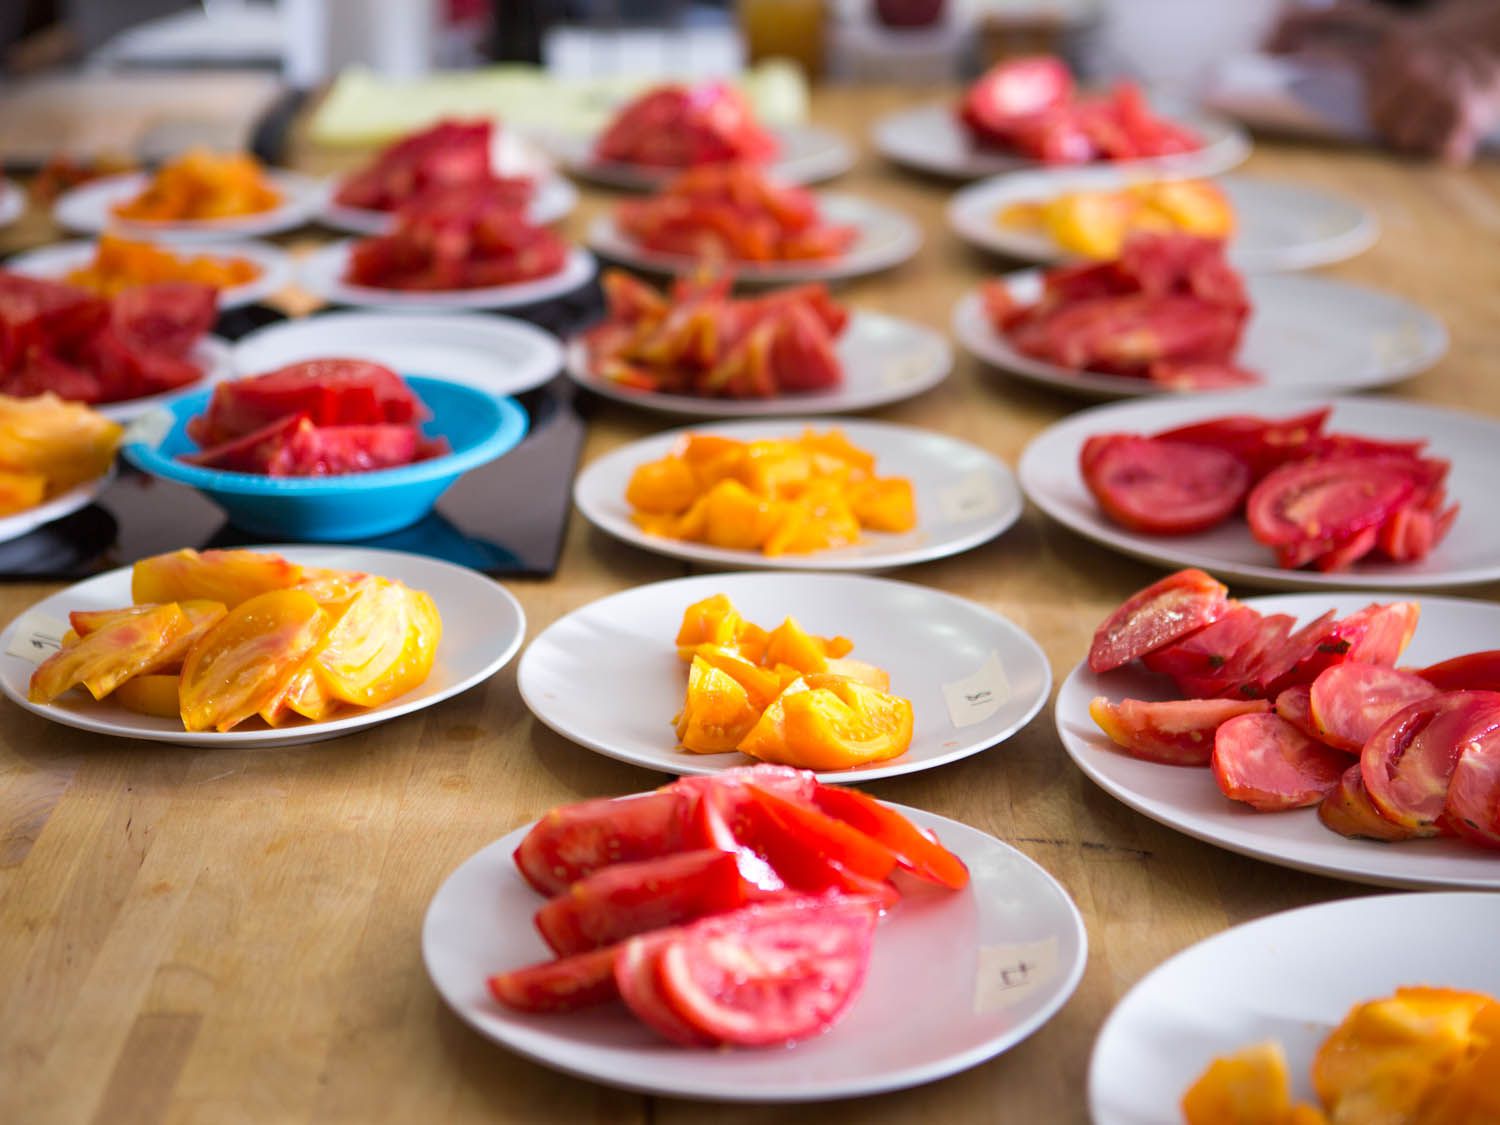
[1408, 763]
[916, 851]
[1270, 765]
[1350, 701]
[1294, 704]
[637, 973]
[1173, 733]
[126, 646]
[564, 985]
[1162, 487]
[1153, 618]
[1472, 807]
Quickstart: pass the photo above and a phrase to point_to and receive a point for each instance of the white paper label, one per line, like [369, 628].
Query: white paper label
[150, 429]
[971, 498]
[1009, 974]
[975, 698]
[37, 637]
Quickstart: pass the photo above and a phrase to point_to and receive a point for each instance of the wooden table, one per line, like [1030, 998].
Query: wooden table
[225, 936]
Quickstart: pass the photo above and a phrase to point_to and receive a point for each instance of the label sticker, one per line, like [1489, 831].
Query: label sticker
[906, 369]
[971, 498]
[1008, 974]
[37, 637]
[975, 698]
[150, 429]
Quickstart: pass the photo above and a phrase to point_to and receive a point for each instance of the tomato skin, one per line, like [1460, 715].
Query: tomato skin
[1161, 487]
[227, 576]
[573, 841]
[1474, 671]
[1350, 701]
[1408, 763]
[1176, 732]
[1153, 618]
[915, 851]
[563, 985]
[1348, 811]
[1270, 765]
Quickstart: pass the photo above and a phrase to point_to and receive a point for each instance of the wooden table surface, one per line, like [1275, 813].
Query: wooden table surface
[227, 936]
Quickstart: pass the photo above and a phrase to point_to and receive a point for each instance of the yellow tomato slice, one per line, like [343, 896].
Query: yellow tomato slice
[365, 641]
[424, 632]
[230, 577]
[150, 695]
[1250, 1086]
[717, 712]
[241, 663]
[828, 722]
[109, 656]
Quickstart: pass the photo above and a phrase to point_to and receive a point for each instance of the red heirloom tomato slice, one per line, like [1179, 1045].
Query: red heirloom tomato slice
[1349, 702]
[637, 969]
[1408, 763]
[769, 973]
[1474, 671]
[1326, 500]
[1161, 487]
[1270, 765]
[573, 841]
[822, 835]
[1240, 675]
[1020, 88]
[917, 851]
[1163, 612]
[1294, 704]
[1472, 808]
[1177, 732]
[563, 985]
[1377, 634]
[1261, 443]
[1206, 652]
[1347, 810]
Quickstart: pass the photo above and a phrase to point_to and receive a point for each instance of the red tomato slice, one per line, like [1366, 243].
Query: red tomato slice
[1407, 764]
[1164, 612]
[1295, 706]
[1239, 675]
[917, 851]
[1325, 500]
[1174, 733]
[574, 841]
[1161, 487]
[771, 973]
[1261, 443]
[1377, 634]
[1272, 670]
[1270, 765]
[1347, 810]
[1474, 671]
[1206, 652]
[1350, 702]
[637, 975]
[822, 835]
[563, 985]
[1472, 808]
[1020, 88]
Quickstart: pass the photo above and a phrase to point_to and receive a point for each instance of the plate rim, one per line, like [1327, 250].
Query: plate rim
[61, 506]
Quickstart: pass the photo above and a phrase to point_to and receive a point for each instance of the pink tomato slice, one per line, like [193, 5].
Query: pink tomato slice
[1270, 765]
[1407, 764]
[637, 975]
[1163, 612]
[1325, 500]
[1351, 701]
[1472, 808]
[1177, 732]
[1348, 811]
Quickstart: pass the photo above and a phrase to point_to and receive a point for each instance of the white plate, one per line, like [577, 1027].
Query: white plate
[498, 353]
[211, 353]
[1278, 226]
[885, 359]
[12, 202]
[933, 644]
[86, 209]
[930, 139]
[1306, 334]
[554, 199]
[1189, 801]
[955, 979]
[1289, 977]
[965, 496]
[483, 626]
[886, 238]
[64, 504]
[322, 274]
[807, 155]
[1470, 554]
[57, 261]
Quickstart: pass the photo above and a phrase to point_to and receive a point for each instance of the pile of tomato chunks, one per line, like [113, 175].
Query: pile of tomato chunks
[737, 908]
[320, 417]
[1030, 106]
[1316, 498]
[449, 154]
[1289, 718]
[1170, 309]
[732, 212]
[87, 348]
[698, 340]
[675, 126]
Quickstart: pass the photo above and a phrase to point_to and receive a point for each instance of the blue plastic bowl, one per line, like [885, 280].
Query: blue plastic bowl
[478, 425]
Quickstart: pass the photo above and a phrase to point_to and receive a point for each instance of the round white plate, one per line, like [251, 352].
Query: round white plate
[930, 139]
[500, 354]
[1278, 226]
[1306, 334]
[483, 626]
[965, 496]
[12, 202]
[211, 353]
[1470, 554]
[322, 274]
[808, 155]
[1289, 977]
[885, 359]
[60, 259]
[933, 645]
[554, 199]
[64, 504]
[86, 209]
[970, 974]
[1189, 801]
[886, 238]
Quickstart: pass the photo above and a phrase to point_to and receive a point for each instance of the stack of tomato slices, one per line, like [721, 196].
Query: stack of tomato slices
[1030, 106]
[320, 417]
[1318, 499]
[732, 909]
[448, 154]
[698, 340]
[1318, 715]
[468, 236]
[676, 126]
[1170, 309]
[88, 348]
[734, 213]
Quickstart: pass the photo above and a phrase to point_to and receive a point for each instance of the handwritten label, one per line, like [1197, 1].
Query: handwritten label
[150, 429]
[1008, 974]
[36, 637]
[971, 498]
[975, 698]
[907, 369]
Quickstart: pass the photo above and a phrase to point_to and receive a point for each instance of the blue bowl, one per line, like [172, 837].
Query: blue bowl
[478, 425]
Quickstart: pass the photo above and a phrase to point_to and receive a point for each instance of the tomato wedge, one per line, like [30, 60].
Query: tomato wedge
[1474, 671]
[563, 985]
[1348, 811]
[230, 576]
[820, 834]
[1203, 654]
[1377, 634]
[1472, 808]
[1350, 701]
[574, 841]
[1163, 612]
[1294, 704]
[637, 970]
[915, 850]
[150, 695]
[1178, 732]
[769, 973]
[126, 646]
[1270, 765]
[1326, 500]
[1408, 763]
[1163, 487]
[1261, 443]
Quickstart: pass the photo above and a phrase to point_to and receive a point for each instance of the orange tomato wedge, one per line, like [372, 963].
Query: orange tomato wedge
[230, 577]
[107, 657]
[150, 695]
[829, 722]
[1249, 1087]
[717, 712]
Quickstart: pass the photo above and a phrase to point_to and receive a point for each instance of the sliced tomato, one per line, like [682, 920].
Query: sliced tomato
[1015, 90]
[1377, 634]
[228, 576]
[1270, 765]
[1474, 671]
[563, 985]
[1162, 487]
[1407, 764]
[1164, 612]
[1294, 704]
[637, 975]
[1177, 732]
[1325, 500]
[1348, 811]
[822, 835]
[1205, 653]
[1273, 669]
[916, 851]
[769, 973]
[573, 841]
[150, 695]
[1351, 701]
[1261, 443]
[127, 646]
[1472, 808]
[1239, 676]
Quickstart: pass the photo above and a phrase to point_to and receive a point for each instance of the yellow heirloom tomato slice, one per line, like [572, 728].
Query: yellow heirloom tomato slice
[109, 656]
[240, 664]
[717, 712]
[230, 577]
[365, 643]
[829, 722]
[1249, 1086]
[154, 694]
